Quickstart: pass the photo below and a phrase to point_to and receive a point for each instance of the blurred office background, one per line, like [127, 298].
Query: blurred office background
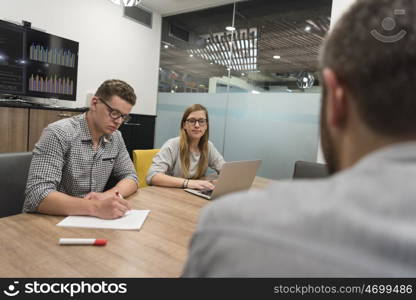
[254, 65]
[258, 79]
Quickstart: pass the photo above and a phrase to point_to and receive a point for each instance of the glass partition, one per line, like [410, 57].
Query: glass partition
[277, 128]
[254, 65]
[171, 106]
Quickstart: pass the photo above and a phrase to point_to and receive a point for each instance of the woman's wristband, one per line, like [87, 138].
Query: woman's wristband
[185, 183]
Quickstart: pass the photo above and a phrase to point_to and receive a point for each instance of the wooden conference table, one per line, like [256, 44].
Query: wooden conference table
[29, 242]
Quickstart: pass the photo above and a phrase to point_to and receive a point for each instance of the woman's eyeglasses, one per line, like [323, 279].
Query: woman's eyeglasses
[115, 114]
[201, 122]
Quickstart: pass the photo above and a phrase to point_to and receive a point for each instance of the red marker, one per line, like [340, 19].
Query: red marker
[93, 242]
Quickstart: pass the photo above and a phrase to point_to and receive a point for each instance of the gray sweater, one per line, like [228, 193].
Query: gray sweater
[359, 222]
[168, 162]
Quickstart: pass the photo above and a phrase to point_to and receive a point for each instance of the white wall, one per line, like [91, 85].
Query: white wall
[338, 8]
[110, 45]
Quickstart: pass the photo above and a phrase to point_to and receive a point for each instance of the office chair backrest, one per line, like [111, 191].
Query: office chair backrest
[142, 160]
[14, 169]
[306, 169]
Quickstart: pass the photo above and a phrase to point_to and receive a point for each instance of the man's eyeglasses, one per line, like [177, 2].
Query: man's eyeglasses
[201, 122]
[114, 113]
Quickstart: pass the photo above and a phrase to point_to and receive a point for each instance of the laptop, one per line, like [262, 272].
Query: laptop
[234, 176]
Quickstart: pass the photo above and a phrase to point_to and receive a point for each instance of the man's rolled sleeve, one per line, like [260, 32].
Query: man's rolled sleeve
[45, 171]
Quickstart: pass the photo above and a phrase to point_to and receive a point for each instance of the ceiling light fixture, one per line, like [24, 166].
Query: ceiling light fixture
[166, 46]
[308, 28]
[127, 3]
[276, 56]
[230, 28]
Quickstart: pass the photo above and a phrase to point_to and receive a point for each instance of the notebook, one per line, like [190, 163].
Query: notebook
[132, 220]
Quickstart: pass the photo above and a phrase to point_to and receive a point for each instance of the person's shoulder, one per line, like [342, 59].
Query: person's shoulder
[67, 127]
[281, 201]
[172, 143]
[211, 146]
[66, 123]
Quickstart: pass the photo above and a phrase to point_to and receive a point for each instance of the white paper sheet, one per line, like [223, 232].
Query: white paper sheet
[132, 220]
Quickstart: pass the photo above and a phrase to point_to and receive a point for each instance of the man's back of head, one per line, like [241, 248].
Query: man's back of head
[368, 76]
[372, 51]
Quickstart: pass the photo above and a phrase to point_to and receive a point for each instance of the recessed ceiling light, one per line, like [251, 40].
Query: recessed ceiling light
[191, 55]
[308, 28]
[230, 28]
[211, 63]
[166, 46]
[276, 56]
[242, 74]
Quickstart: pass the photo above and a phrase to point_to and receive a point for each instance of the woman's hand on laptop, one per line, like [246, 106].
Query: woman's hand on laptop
[200, 185]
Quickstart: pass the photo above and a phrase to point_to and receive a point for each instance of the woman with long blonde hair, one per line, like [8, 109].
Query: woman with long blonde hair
[183, 160]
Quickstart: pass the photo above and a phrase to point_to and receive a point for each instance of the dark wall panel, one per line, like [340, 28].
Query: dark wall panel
[139, 133]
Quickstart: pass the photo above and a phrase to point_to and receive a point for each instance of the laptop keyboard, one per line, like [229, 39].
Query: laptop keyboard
[206, 192]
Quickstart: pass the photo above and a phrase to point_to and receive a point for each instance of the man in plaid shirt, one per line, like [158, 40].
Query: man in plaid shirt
[75, 157]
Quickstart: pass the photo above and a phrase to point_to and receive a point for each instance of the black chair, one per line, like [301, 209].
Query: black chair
[14, 169]
[306, 169]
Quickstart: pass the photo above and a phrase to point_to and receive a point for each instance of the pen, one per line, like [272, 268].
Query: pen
[121, 196]
[93, 242]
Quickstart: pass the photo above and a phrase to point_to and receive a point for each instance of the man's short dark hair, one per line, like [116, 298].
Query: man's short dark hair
[115, 87]
[378, 68]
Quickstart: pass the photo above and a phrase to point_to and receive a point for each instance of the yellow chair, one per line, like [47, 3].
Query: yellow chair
[142, 160]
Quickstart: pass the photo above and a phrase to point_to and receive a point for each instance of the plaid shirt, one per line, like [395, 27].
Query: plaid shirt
[65, 161]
